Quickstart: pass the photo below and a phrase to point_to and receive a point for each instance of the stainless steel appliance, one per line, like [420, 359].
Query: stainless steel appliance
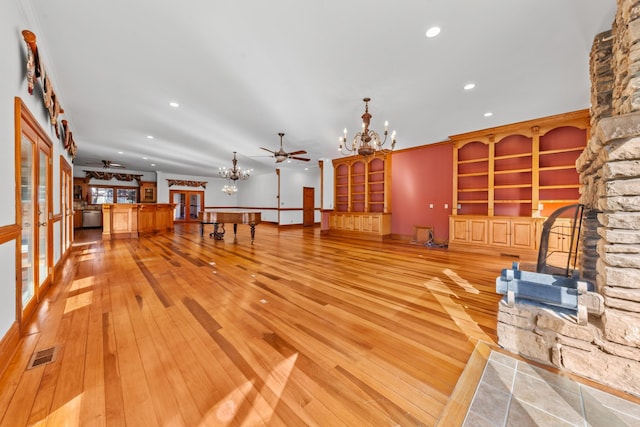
[91, 218]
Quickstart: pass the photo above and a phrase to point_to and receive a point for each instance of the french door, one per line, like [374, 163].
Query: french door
[34, 210]
[66, 205]
[188, 204]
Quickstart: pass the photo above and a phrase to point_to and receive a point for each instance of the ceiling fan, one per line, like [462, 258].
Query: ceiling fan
[107, 164]
[282, 155]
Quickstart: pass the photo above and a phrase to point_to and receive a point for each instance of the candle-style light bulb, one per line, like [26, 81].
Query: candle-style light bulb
[386, 125]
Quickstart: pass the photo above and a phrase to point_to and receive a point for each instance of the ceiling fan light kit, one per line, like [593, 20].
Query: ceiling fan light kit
[366, 142]
[282, 155]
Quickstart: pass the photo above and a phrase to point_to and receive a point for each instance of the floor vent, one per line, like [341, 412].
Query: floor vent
[42, 357]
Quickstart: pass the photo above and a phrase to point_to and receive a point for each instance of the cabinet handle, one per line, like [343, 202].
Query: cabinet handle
[42, 224]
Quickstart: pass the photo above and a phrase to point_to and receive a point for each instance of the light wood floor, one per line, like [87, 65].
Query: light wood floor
[297, 329]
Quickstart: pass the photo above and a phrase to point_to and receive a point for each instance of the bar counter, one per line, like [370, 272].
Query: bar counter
[129, 220]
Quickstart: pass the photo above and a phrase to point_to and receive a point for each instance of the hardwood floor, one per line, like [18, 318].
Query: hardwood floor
[296, 329]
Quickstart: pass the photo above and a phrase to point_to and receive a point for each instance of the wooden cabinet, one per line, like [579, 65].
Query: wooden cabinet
[513, 176]
[362, 197]
[365, 225]
[517, 236]
[148, 192]
[79, 189]
[77, 219]
[468, 229]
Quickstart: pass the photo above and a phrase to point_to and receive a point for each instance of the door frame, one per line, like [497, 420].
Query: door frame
[187, 211]
[308, 206]
[27, 125]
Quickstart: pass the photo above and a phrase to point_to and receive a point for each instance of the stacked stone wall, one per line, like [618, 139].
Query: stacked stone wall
[607, 349]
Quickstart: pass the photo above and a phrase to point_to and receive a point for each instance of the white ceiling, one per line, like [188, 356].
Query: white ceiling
[244, 70]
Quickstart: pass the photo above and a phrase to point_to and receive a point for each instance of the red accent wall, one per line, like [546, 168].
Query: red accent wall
[420, 177]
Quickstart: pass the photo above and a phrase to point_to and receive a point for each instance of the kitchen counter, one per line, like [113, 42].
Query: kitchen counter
[129, 220]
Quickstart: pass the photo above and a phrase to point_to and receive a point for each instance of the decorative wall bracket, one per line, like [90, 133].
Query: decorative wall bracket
[172, 182]
[107, 176]
[35, 70]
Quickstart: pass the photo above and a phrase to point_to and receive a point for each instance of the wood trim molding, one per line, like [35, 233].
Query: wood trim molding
[8, 345]
[9, 232]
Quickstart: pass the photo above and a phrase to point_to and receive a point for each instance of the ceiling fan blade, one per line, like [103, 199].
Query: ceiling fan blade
[299, 158]
[294, 153]
[266, 149]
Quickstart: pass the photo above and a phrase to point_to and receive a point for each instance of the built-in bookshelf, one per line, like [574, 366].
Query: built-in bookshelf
[506, 175]
[362, 196]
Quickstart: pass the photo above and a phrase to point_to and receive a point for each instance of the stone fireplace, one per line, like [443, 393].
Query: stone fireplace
[607, 348]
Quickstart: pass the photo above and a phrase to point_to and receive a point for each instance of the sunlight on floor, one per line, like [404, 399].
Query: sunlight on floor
[464, 284]
[225, 411]
[443, 294]
[81, 300]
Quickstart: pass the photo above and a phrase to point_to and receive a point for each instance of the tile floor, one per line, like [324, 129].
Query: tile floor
[514, 393]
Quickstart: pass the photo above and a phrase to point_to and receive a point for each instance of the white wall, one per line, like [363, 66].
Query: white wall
[13, 84]
[292, 182]
[327, 183]
[261, 192]
[213, 195]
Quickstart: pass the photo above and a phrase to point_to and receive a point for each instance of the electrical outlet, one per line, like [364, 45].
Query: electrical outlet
[430, 205]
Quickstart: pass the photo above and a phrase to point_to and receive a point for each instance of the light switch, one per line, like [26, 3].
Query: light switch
[446, 205]
[430, 205]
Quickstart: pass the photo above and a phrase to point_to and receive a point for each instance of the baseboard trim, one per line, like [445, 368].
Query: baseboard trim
[8, 345]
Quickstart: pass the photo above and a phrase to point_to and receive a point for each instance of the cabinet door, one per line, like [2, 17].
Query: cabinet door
[500, 232]
[522, 234]
[478, 231]
[458, 229]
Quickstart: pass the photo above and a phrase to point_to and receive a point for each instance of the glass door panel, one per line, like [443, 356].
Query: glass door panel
[43, 216]
[179, 199]
[28, 231]
[194, 206]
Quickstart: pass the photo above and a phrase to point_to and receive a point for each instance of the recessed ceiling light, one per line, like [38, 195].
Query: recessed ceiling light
[149, 136]
[488, 114]
[120, 152]
[153, 164]
[469, 86]
[144, 158]
[174, 104]
[433, 31]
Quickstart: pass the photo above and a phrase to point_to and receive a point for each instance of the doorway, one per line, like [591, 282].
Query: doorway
[34, 205]
[188, 205]
[308, 206]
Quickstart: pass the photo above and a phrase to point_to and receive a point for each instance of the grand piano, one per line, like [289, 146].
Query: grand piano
[219, 217]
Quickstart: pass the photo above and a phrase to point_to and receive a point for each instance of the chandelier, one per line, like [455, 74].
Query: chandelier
[366, 142]
[229, 189]
[235, 173]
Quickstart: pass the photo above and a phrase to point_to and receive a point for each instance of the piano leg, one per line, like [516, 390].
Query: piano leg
[218, 234]
[253, 232]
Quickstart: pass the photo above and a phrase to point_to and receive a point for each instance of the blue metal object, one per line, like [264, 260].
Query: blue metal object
[548, 289]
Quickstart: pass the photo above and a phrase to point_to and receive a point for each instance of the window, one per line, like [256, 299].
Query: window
[127, 195]
[100, 195]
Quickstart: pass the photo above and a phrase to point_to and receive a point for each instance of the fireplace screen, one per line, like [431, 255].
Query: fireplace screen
[558, 250]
